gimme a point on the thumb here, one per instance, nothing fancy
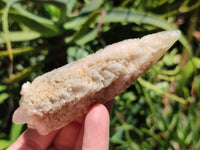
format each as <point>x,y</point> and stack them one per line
<point>96,129</point>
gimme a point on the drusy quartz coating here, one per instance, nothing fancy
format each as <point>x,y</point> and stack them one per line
<point>56,98</point>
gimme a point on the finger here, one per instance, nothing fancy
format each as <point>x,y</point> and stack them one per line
<point>68,135</point>
<point>96,129</point>
<point>79,140</point>
<point>32,140</point>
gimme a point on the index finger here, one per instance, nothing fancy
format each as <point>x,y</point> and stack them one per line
<point>67,136</point>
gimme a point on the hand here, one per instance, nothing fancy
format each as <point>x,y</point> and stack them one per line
<point>86,133</point>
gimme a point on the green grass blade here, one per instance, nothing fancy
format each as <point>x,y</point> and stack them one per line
<point>83,28</point>
<point>20,75</point>
<point>6,29</point>
<point>149,101</point>
<point>17,51</point>
<point>18,36</point>
<point>92,6</point>
<point>74,23</point>
<point>88,37</point>
<point>153,135</point>
<point>42,25</point>
<point>43,29</point>
<point>159,91</point>
<point>32,16</point>
<point>61,4</point>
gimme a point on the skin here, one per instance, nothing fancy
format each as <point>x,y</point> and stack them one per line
<point>86,133</point>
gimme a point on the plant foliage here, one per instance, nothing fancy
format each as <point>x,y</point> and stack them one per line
<point>161,110</point>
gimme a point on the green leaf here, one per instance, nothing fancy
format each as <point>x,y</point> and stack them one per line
<point>20,75</point>
<point>43,29</point>
<point>70,6</point>
<point>32,16</point>
<point>3,87</point>
<point>196,62</point>
<point>91,6</point>
<point>127,15</point>
<point>15,131</point>
<point>160,91</point>
<point>42,25</point>
<point>74,23</point>
<point>53,11</point>
<point>88,37</point>
<point>60,4</point>
<point>153,135</point>
<point>170,57</point>
<point>131,16</point>
<point>4,144</point>
<point>197,85</point>
<point>17,51</point>
<point>18,36</point>
<point>186,73</point>
<point>83,28</point>
<point>116,138</point>
<point>129,95</point>
<point>5,27</point>
<point>75,53</point>
<point>3,97</point>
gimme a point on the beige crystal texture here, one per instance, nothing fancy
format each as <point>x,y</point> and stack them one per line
<point>58,97</point>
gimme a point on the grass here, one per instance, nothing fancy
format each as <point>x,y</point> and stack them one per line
<point>158,111</point>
